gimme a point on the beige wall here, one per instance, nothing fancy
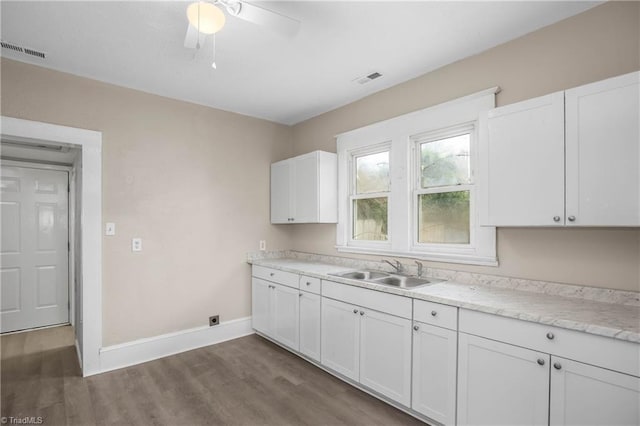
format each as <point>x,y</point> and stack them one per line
<point>191,181</point>
<point>600,43</point>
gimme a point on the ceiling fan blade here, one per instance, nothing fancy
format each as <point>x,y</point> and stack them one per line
<point>276,22</point>
<point>191,39</point>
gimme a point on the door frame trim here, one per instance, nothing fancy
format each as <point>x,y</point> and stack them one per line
<point>90,143</point>
<point>71,203</point>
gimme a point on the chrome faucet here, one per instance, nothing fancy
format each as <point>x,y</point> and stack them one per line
<point>420,268</point>
<point>398,266</point>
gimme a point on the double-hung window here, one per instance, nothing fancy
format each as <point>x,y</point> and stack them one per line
<point>407,187</point>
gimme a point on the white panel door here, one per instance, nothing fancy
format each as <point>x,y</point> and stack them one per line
<point>310,325</point>
<point>585,395</point>
<point>501,384</point>
<point>385,354</point>
<point>434,372</point>
<point>603,153</point>
<point>305,188</point>
<point>286,315</point>
<point>34,248</point>
<point>261,301</point>
<point>522,158</point>
<point>280,192</point>
<point>340,343</point>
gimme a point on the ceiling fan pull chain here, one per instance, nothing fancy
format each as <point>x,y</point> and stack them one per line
<point>213,65</point>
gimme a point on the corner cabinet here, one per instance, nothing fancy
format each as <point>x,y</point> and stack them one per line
<point>571,158</point>
<point>304,189</point>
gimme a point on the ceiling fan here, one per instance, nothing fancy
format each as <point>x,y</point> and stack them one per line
<point>206,17</point>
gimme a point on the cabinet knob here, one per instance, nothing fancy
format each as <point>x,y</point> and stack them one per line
<point>361,312</point>
<point>308,283</point>
<point>355,311</point>
<point>556,218</point>
<point>550,336</point>
<point>300,295</point>
<point>557,365</point>
<point>540,361</point>
<point>416,328</point>
<point>272,274</point>
<point>434,313</point>
<point>572,218</point>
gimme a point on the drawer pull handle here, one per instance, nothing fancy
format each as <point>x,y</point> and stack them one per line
<point>361,312</point>
<point>557,365</point>
<point>540,361</point>
<point>416,328</point>
<point>434,313</point>
<point>355,311</point>
<point>550,336</point>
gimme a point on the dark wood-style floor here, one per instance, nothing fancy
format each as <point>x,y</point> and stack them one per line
<point>247,381</point>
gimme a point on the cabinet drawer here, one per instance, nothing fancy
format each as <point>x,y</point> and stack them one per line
<point>310,284</point>
<point>274,275</point>
<point>617,355</point>
<point>435,314</point>
<point>384,302</point>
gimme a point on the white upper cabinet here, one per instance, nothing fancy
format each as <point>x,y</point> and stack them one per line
<point>570,158</point>
<point>603,155</point>
<point>304,189</point>
<point>523,155</point>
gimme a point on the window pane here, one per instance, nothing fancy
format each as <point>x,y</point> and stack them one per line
<point>370,219</point>
<point>372,173</point>
<point>445,162</point>
<point>444,218</point>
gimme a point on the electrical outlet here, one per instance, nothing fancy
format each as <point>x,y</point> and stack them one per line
<point>136,244</point>
<point>214,320</point>
<point>263,245</point>
<point>110,228</point>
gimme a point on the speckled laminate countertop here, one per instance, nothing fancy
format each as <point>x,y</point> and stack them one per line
<point>613,320</point>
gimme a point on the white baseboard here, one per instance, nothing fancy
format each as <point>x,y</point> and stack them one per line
<point>148,349</point>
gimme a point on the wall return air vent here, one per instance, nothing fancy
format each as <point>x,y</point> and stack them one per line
<point>367,78</point>
<point>23,50</point>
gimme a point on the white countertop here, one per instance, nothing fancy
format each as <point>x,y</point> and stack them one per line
<point>617,321</point>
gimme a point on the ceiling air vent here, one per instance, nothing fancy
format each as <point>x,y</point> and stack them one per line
<point>368,78</point>
<point>24,50</point>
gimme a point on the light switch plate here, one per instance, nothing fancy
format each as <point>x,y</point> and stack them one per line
<point>263,245</point>
<point>110,228</point>
<point>136,244</point>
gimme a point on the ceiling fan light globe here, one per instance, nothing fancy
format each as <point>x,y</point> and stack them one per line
<point>211,19</point>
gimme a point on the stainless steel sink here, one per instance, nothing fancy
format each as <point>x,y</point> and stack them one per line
<point>364,275</point>
<point>391,280</point>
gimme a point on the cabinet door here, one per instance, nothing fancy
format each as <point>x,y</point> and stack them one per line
<point>280,192</point>
<point>522,164</point>
<point>603,153</point>
<point>310,325</point>
<point>305,189</point>
<point>340,343</point>
<point>501,384</point>
<point>434,372</point>
<point>286,315</point>
<point>385,354</point>
<point>261,305</point>
<point>585,395</point>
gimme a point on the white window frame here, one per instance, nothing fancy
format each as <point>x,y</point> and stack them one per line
<point>353,154</point>
<point>402,135</point>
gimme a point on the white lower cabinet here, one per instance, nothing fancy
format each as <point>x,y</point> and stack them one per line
<point>434,372</point>
<point>582,394</point>
<point>341,338</point>
<point>501,384</point>
<point>276,311</point>
<point>367,346</point>
<point>310,325</point>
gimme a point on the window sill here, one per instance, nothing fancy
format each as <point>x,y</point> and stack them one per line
<point>466,259</point>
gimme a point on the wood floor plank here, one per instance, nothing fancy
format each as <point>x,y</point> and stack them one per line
<point>244,382</point>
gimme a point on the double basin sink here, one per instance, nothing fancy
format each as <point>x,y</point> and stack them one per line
<point>384,278</point>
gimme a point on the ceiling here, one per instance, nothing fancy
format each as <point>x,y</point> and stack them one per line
<point>139,44</point>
